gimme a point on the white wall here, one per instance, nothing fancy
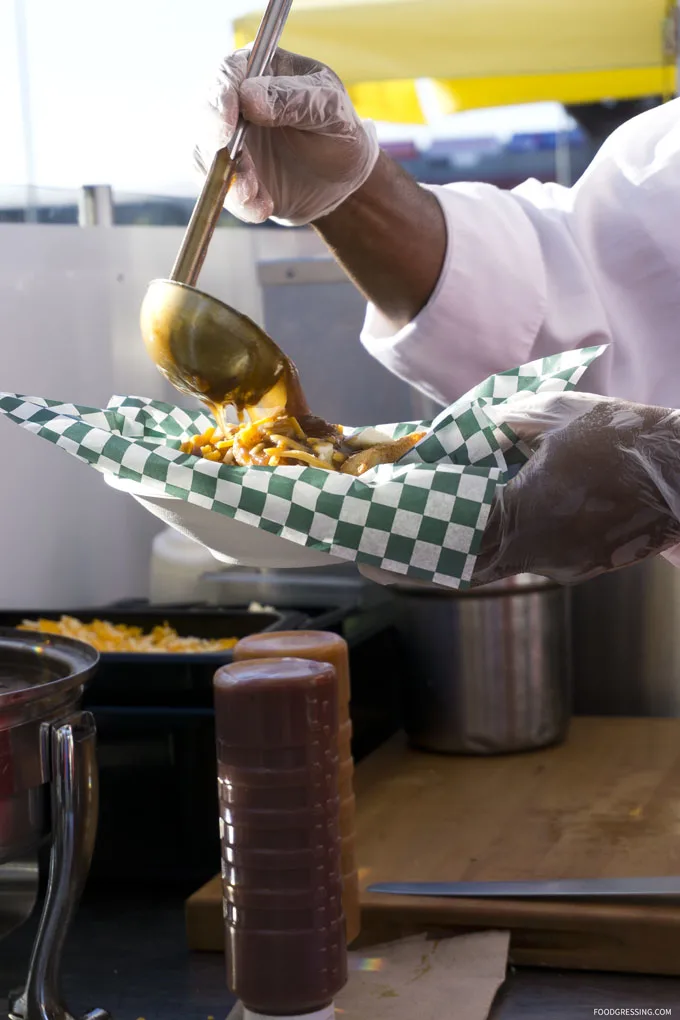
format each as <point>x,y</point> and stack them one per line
<point>69,307</point>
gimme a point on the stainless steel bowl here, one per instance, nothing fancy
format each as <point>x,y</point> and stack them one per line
<point>48,785</point>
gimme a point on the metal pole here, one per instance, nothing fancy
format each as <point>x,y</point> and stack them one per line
<point>21,30</point>
<point>563,169</point>
<point>95,208</point>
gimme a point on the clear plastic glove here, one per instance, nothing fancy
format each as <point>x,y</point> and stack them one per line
<point>600,491</point>
<point>306,149</point>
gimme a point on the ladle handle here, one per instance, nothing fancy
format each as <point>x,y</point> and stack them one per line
<point>208,208</point>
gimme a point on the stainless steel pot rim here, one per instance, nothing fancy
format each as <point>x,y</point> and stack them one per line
<point>75,659</point>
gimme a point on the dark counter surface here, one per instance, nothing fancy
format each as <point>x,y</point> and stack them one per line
<point>129,956</point>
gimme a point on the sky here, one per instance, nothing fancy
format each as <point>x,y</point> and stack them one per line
<point>113,93</point>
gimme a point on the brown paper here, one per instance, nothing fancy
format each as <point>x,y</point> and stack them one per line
<point>418,979</point>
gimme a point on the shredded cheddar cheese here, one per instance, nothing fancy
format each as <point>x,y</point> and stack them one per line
<point>118,637</point>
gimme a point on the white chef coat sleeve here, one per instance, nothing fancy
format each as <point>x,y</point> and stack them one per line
<point>489,303</point>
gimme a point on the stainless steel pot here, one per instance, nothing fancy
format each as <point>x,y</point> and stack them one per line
<point>489,670</point>
<point>48,788</point>
<point>626,641</point>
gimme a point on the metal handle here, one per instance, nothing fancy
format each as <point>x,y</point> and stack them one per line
<point>267,39</point>
<point>208,208</point>
<point>75,804</point>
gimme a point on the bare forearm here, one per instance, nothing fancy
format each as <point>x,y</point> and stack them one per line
<point>390,237</point>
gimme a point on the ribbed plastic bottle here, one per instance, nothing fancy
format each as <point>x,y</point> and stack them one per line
<point>276,724</point>
<point>323,646</point>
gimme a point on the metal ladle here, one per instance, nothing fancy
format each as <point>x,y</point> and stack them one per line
<point>202,346</point>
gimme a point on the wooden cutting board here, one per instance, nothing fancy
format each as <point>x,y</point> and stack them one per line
<point>606,804</point>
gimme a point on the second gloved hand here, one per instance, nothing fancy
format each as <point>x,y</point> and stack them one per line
<point>307,150</point>
<point>600,491</point>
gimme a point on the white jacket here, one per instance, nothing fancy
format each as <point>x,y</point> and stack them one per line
<point>543,269</point>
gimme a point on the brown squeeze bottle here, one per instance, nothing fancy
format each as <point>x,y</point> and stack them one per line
<point>323,646</point>
<point>276,725</point>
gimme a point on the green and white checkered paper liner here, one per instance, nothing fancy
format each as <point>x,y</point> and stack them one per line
<point>423,517</point>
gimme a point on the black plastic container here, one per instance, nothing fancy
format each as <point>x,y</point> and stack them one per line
<point>164,679</point>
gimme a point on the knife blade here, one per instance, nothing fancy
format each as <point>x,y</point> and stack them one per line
<point>589,888</point>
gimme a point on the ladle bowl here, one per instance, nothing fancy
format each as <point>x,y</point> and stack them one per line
<point>210,351</point>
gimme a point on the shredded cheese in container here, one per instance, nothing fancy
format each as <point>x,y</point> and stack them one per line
<point>119,637</point>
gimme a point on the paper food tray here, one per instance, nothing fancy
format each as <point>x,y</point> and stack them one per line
<point>422,518</point>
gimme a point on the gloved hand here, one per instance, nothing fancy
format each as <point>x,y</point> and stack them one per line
<point>600,491</point>
<point>306,149</point>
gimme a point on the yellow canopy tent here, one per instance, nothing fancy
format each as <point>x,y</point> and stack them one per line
<point>482,53</point>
